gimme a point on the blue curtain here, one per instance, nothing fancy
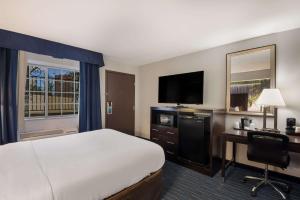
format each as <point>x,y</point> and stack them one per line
<point>12,40</point>
<point>90,106</point>
<point>8,93</point>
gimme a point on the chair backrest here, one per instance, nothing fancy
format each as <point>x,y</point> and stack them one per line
<point>268,148</point>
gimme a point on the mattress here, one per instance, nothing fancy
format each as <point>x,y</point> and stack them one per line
<point>87,166</point>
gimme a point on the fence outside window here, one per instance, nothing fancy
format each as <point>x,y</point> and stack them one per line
<point>51,91</point>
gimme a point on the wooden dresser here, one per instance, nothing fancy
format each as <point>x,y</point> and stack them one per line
<point>168,136</point>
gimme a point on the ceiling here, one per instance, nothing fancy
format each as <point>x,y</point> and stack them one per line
<point>138,32</point>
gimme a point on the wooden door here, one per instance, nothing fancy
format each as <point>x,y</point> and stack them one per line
<point>119,105</point>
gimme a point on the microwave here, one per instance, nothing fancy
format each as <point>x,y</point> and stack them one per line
<point>166,120</point>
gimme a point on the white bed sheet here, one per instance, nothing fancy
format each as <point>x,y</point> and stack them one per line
<point>87,166</point>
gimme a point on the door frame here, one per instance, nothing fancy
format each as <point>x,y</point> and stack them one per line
<point>105,96</point>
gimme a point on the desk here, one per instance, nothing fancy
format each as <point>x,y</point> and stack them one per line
<point>240,136</point>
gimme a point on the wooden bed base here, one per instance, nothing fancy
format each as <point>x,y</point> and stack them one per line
<point>147,189</point>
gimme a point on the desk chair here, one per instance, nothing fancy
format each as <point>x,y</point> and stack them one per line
<point>270,149</point>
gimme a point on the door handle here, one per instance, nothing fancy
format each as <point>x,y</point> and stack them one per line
<point>171,133</point>
<point>168,142</point>
<point>170,152</point>
<point>109,107</point>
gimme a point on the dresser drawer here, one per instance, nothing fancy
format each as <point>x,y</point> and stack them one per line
<point>156,138</point>
<point>156,133</point>
<point>170,145</point>
<point>171,132</point>
<point>171,137</point>
<point>158,128</point>
<point>171,155</point>
<point>167,137</point>
<point>155,129</point>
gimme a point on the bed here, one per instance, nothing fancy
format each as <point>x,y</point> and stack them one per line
<point>102,164</point>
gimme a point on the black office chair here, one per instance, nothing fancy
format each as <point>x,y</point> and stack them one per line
<point>270,149</point>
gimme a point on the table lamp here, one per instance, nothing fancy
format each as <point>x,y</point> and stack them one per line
<point>268,98</point>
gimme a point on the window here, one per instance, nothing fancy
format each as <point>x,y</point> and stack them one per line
<point>51,91</point>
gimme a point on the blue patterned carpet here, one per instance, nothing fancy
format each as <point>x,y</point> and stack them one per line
<point>185,184</point>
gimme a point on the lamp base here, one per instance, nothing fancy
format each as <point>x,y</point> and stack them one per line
<point>265,120</point>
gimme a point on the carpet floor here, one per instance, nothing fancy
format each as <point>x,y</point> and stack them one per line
<point>185,184</point>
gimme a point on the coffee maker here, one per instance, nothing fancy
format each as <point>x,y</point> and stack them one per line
<point>245,122</point>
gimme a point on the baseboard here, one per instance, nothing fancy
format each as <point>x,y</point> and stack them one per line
<point>272,173</point>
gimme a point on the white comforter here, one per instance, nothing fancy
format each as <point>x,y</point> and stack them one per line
<point>86,166</point>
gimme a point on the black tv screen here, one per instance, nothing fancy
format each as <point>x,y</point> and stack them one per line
<point>181,88</point>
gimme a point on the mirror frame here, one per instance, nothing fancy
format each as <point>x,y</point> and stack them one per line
<point>272,49</point>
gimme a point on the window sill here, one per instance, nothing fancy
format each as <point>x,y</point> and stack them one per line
<point>50,118</point>
<point>46,136</point>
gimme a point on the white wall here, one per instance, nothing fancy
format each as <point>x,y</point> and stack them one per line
<point>213,62</point>
<point>63,123</point>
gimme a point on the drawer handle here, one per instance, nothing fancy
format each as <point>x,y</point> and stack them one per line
<point>155,130</point>
<point>170,142</point>
<point>171,133</point>
<point>155,139</point>
<point>170,152</point>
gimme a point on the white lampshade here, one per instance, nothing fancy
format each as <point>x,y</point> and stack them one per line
<point>270,97</point>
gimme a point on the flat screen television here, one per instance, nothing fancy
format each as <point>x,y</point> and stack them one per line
<point>184,88</point>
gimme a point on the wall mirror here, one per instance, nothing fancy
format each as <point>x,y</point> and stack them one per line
<point>248,73</point>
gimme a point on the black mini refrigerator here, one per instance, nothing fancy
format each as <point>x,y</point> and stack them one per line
<point>194,136</point>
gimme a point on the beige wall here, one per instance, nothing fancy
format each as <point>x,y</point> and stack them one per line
<point>213,62</point>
